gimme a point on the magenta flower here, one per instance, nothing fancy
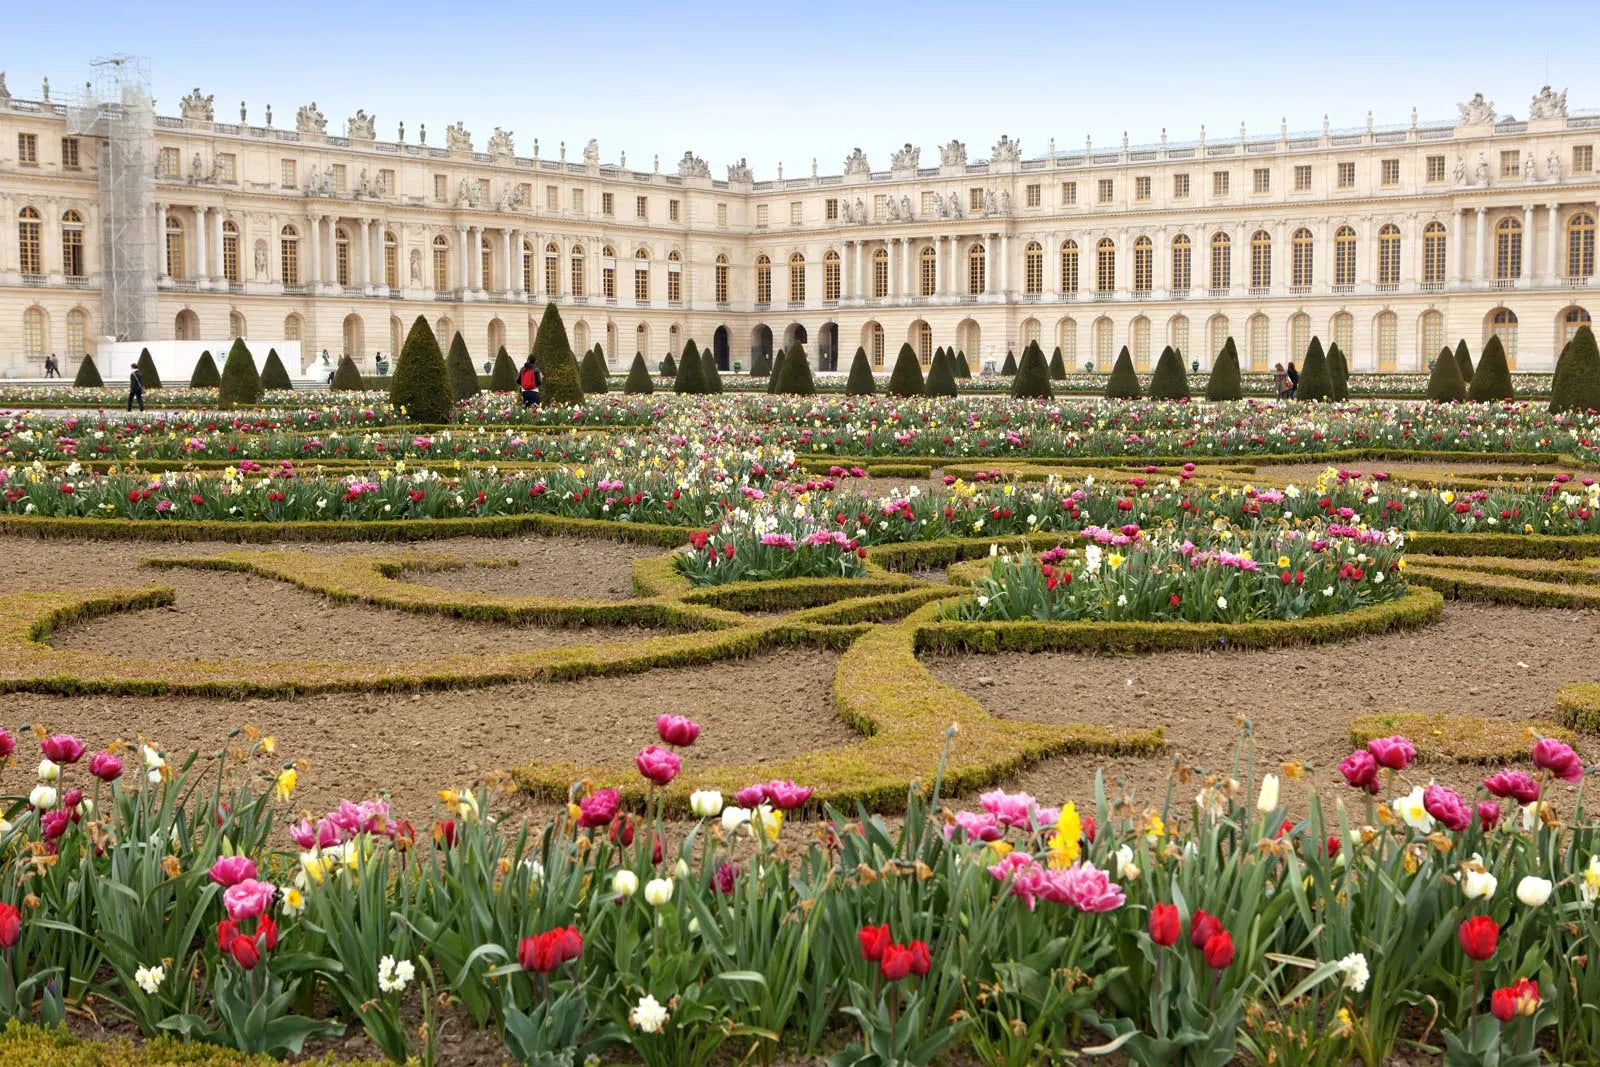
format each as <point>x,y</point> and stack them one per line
<point>105,766</point>
<point>8,744</point>
<point>785,795</point>
<point>1446,805</point>
<point>598,808</point>
<point>1085,887</point>
<point>1513,785</point>
<point>1558,758</point>
<point>229,871</point>
<point>677,730</point>
<point>249,899</point>
<point>1013,809</point>
<point>725,877</point>
<point>1360,770</point>
<point>657,764</point>
<point>63,748</point>
<point>751,796</point>
<point>1395,753</point>
<point>1028,880</point>
<point>975,825</point>
<point>1488,814</point>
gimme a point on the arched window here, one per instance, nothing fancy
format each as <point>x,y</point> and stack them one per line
<point>1181,260</point>
<point>1260,260</point>
<point>186,327</point>
<point>33,331</point>
<point>1433,254</point>
<point>674,344</point>
<point>1573,320</point>
<point>230,251</point>
<point>30,255</point>
<point>552,269</point>
<point>922,333</point>
<point>1105,265</point>
<point>797,278</point>
<point>289,255</point>
<point>580,337</point>
<point>1302,257</point>
<point>397,335</point>
<point>235,324</point>
<point>1143,265</point>
<point>641,339</point>
<point>441,265</point>
<point>341,256</point>
<point>1141,343</point>
<point>577,271</point>
<point>1030,331</point>
<point>674,277</point>
<point>1507,251</point>
<point>72,246</point>
<point>763,280</point>
<point>1344,335</point>
<point>1580,246</point>
<point>175,262</point>
<point>1431,333</point>
<point>830,276</point>
<point>1344,257</point>
<point>1503,323</point>
<point>1103,342</point>
<point>975,270</point>
<point>1033,269</point>
<point>875,344</point>
<point>77,328</point>
<point>1385,330</point>
<point>1178,334</point>
<point>722,278</point>
<point>1069,266</point>
<point>1299,335</point>
<point>1067,338</point>
<point>928,270</point>
<point>1389,255</point>
<point>391,260</point>
<point>1260,342</point>
<point>880,273</point>
<point>1217,334</point>
<point>641,275</point>
<point>608,272</point>
<point>291,328</point>
<point>1221,260</point>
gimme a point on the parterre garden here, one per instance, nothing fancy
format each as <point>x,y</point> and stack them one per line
<point>775,727</point>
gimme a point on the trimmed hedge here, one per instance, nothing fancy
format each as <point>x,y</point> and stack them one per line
<point>1511,545</point>
<point>592,372</point>
<point>1170,381</point>
<point>1032,379</point>
<point>794,378</point>
<point>669,367</point>
<point>1492,381</point>
<point>1225,382</point>
<point>861,381</point>
<point>205,374</point>
<point>1010,366</point>
<point>347,376</point>
<point>963,369</point>
<point>1464,359</point>
<point>273,374</point>
<point>421,386</point>
<point>148,375</point>
<point>1461,738</point>
<point>639,382</point>
<point>34,1046</point>
<point>906,378</point>
<point>88,376</point>
<point>463,376</point>
<point>1058,366</point>
<point>1462,582</point>
<point>776,369</point>
<point>710,377</point>
<point>1123,384</point>
<point>1444,382</point>
<point>503,378</point>
<point>240,384</point>
<point>1578,705</point>
<point>1316,378</point>
<point>941,381</point>
<point>553,352</point>
<point>1340,368</point>
<point>1576,386</point>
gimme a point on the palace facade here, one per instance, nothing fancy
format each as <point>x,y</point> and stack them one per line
<point>1392,241</point>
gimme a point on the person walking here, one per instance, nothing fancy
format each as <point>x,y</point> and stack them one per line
<point>1294,380</point>
<point>1280,381</point>
<point>529,381</point>
<point>135,387</point>
<point>52,369</point>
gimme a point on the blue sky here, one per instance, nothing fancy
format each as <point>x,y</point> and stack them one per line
<point>788,81</point>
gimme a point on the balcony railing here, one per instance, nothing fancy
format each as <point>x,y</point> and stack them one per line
<point>1342,290</point>
<point>1217,292</point>
<point>34,279</point>
<point>1576,282</point>
<point>1431,287</point>
<point>1387,287</point>
<point>1179,294</point>
<point>1299,290</point>
<point>1502,284</point>
<point>1260,290</point>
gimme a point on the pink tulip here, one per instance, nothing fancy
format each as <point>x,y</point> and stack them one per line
<point>1488,814</point>
<point>598,808</point>
<point>1395,753</point>
<point>1558,758</point>
<point>304,834</point>
<point>1446,805</point>
<point>229,871</point>
<point>8,744</point>
<point>785,795</point>
<point>976,826</point>
<point>63,748</point>
<point>1013,809</point>
<point>1513,785</point>
<point>677,730</point>
<point>105,766</point>
<point>751,796</point>
<point>1085,887</point>
<point>1360,770</point>
<point>249,899</point>
<point>657,764</point>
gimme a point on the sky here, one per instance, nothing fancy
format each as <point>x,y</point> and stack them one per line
<point>789,82</point>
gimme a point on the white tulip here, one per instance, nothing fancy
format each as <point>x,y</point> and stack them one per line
<point>625,883</point>
<point>658,891</point>
<point>706,803</point>
<point>49,771</point>
<point>733,818</point>
<point>1477,883</point>
<point>43,797</point>
<point>1534,891</point>
<point>648,1016</point>
<point>1268,798</point>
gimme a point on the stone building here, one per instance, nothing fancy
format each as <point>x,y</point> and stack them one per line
<point>1391,240</point>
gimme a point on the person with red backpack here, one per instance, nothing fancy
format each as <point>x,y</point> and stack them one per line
<point>530,380</point>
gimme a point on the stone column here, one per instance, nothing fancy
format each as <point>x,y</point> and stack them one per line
<point>1456,251</point>
<point>991,262</point>
<point>312,246</point>
<point>514,261</point>
<point>200,269</point>
<point>216,245</point>
<point>161,241</point>
<point>912,265</point>
<point>462,280</point>
<point>1527,243</point>
<point>1481,251</point>
<point>330,248</point>
<point>1554,239</point>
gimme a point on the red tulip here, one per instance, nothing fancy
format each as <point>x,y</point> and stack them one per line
<point>874,939</point>
<point>1219,950</point>
<point>1488,814</point>
<point>10,925</point>
<point>267,932</point>
<point>1479,936</point>
<point>245,953</point>
<point>1201,926</point>
<point>1166,926</point>
<point>896,962</point>
<point>621,832</point>
<point>1519,998</point>
<point>921,959</point>
<point>569,943</point>
<point>227,930</point>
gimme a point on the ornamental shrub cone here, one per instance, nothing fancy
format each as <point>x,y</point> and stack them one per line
<point>963,369</point>
<point>88,375</point>
<point>690,378</point>
<point>795,376</point>
<point>421,385</point>
<point>1576,386</point>
<point>553,351</point>
<point>1225,383</point>
<point>759,366</point>
<point>1033,374</point>
<point>1340,367</point>
<point>1444,384</point>
<point>639,382</point>
<point>669,367</point>
<point>503,378</point>
<point>592,372</point>
<point>906,378</point>
<point>1058,366</point>
<point>347,376</point>
<point>205,374</point>
<point>941,382</point>
<point>240,384</point>
<point>1491,382</point>
<point>709,375</point>
<point>147,370</point>
<point>860,382</point>
<point>1124,382</point>
<point>1316,378</point>
<point>777,368</point>
<point>1010,366</point>
<point>273,374</point>
<point>1170,381</point>
<point>463,377</point>
<point>1464,360</point>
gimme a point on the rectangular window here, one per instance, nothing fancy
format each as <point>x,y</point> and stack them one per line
<point>608,206</point>
<point>72,253</point>
<point>1302,178</point>
<point>1436,168</point>
<point>1141,188</point>
<point>641,281</point>
<point>1261,180</point>
<point>797,213</point>
<point>761,216</point>
<point>339,180</point>
<point>441,187</point>
<point>722,214</point>
<point>1347,175</point>
<point>1510,163</point>
<point>674,285</point>
<point>1069,194</point>
<point>722,280</point>
<point>1389,172</point>
<point>879,202</point>
<point>169,160</point>
<point>974,199</point>
<point>577,201</point>
<point>1031,192</point>
<point>1180,186</point>
<point>608,279</point>
<point>672,211</point>
<point>386,182</point>
<point>552,198</point>
<point>927,205</point>
<point>483,190</point>
<point>227,167</point>
<point>1219,183</point>
<point>641,207</point>
<point>69,153</point>
<point>287,174</point>
<point>1107,190</point>
<point>1583,159</point>
<point>524,191</point>
<point>28,149</point>
<point>830,208</point>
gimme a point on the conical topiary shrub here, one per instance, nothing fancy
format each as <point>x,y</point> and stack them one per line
<point>503,378</point>
<point>148,375</point>
<point>1124,381</point>
<point>240,383</point>
<point>1464,360</point>
<point>794,377</point>
<point>463,376</point>
<point>592,373</point>
<point>273,374</point>
<point>777,368</point>
<point>1576,386</point>
<point>861,381</point>
<point>1491,382</point>
<point>1032,379</point>
<point>690,379</point>
<point>1316,378</point>
<point>421,384</point>
<point>906,378</point>
<point>553,352</point>
<point>1058,366</point>
<point>1225,382</point>
<point>1339,367</point>
<point>1010,366</point>
<point>760,364</point>
<point>1444,383</point>
<point>1170,381</point>
<point>963,368</point>
<point>347,376</point>
<point>88,375</point>
<point>941,380</point>
<point>639,382</point>
<point>710,377</point>
<point>205,374</point>
<point>669,367</point>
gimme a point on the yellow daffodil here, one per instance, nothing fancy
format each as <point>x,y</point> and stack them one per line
<point>287,779</point>
<point>1066,842</point>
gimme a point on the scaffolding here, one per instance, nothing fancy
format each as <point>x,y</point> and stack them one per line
<point>117,110</point>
